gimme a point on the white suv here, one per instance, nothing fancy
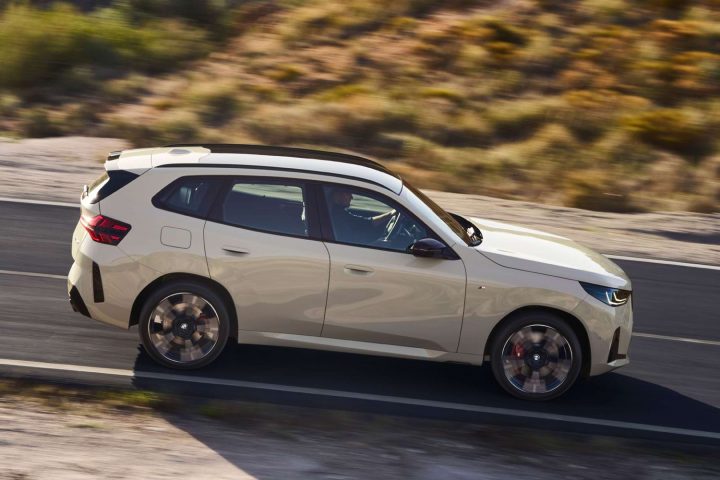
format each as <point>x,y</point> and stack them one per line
<point>199,244</point>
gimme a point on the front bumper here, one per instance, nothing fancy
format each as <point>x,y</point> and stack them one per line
<point>609,331</point>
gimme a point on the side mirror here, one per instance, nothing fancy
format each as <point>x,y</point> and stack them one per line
<point>431,248</point>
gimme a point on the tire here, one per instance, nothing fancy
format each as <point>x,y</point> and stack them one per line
<point>536,356</point>
<point>184,325</point>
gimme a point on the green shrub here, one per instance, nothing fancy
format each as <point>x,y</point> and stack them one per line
<point>9,105</point>
<point>520,118</point>
<point>419,152</point>
<point>137,133</point>
<point>597,189</point>
<point>215,102</point>
<point>608,9</point>
<point>458,129</point>
<point>677,130</point>
<point>492,29</point>
<point>300,123</point>
<point>213,13</point>
<point>446,93</point>
<point>35,123</point>
<point>38,45</point>
<point>286,72</point>
<point>78,80</point>
<point>81,119</point>
<point>125,89</point>
<point>178,127</point>
<point>341,92</point>
<point>619,148</point>
<point>320,20</point>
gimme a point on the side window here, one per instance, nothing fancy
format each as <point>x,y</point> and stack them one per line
<point>266,206</point>
<point>187,195</point>
<point>360,217</point>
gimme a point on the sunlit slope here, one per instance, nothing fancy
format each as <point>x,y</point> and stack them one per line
<point>601,104</point>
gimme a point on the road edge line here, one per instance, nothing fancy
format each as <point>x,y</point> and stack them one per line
<point>39,202</point>
<point>366,397</point>
<point>676,339</point>
<point>663,262</point>
<point>33,274</point>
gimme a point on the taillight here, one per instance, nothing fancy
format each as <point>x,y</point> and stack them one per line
<point>105,229</point>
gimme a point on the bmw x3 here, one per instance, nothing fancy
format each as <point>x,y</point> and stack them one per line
<point>201,245</point>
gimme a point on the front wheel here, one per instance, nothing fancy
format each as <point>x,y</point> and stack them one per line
<point>184,325</point>
<point>536,356</point>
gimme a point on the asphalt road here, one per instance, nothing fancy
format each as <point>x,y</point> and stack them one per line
<point>669,383</point>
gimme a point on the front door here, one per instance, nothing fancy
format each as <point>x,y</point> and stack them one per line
<point>378,291</point>
<point>259,245</point>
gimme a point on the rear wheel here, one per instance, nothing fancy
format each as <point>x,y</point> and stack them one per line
<point>536,356</point>
<point>184,325</point>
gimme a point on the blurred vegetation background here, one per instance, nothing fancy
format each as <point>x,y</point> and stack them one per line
<point>599,104</point>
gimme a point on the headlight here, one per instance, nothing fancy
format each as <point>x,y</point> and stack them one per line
<point>609,296</point>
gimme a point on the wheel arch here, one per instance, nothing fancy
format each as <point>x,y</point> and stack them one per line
<point>189,277</point>
<point>574,323</point>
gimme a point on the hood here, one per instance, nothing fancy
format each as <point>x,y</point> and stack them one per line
<point>540,252</point>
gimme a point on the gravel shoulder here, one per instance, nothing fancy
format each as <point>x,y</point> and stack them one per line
<point>56,168</point>
<point>77,434</point>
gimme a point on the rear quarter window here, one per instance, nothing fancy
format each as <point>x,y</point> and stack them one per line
<point>190,196</point>
<point>109,183</point>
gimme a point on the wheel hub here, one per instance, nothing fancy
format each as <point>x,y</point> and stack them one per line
<point>184,326</point>
<point>536,359</point>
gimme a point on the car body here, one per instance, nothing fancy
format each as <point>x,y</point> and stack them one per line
<point>198,244</point>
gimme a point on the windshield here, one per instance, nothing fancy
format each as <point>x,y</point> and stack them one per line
<point>470,239</point>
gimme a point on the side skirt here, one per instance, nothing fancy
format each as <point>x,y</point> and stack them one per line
<point>351,346</point>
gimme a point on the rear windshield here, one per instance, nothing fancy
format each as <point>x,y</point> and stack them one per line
<point>109,183</point>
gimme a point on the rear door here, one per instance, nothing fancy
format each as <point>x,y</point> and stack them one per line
<point>263,244</point>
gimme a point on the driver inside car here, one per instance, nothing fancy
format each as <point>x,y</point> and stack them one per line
<point>348,224</point>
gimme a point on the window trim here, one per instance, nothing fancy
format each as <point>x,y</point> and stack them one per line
<point>329,237</point>
<point>206,204</point>
<point>311,213</point>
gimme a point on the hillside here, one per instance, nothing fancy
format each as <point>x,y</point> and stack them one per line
<point>599,104</point>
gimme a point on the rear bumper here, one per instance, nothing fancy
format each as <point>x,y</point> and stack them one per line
<point>76,302</point>
<point>104,282</point>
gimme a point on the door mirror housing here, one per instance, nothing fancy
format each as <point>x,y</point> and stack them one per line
<point>432,248</point>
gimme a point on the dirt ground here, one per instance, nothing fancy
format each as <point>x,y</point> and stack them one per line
<point>56,169</point>
<point>52,432</point>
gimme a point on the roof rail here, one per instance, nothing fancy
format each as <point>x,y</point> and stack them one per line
<point>289,152</point>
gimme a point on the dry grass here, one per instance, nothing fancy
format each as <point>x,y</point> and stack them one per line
<point>580,104</point>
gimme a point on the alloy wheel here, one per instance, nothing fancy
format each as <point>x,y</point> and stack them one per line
<point>537,359</point>
<point>184,327</point>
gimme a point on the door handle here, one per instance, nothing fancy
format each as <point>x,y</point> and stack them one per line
<point>235,250</point>
<point>358,270</point>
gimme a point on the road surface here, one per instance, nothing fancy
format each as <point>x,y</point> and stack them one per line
<point>673,381</point>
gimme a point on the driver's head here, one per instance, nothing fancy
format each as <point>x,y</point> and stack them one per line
<point>341,197</point>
